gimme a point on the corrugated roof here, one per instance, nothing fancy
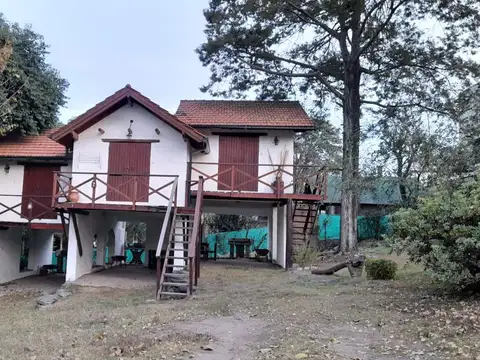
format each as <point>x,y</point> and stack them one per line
<point>32,146</point>
<point>239,113</point>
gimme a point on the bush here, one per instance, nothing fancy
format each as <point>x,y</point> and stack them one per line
<point>443,234</point>
<point>305,256</point>
<point>380,269</point>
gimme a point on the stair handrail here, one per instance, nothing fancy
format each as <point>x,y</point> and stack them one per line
<point>196,219</point>
<point>173,196</point>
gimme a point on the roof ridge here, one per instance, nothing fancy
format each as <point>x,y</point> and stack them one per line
<point>242,100</point>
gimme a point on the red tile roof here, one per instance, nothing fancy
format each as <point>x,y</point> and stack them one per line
<point>32,146</point>
<point>233,113</point>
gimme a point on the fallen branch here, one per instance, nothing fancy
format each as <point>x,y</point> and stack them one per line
<point>355,263</point>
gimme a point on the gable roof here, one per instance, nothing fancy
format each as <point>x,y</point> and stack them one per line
<point>244,113</point>
<point>113,103</point>
<point>35,146</point>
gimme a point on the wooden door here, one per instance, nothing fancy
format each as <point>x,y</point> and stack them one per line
<point>38,190</point>
<point>242,152</point>
<point>129,170</point>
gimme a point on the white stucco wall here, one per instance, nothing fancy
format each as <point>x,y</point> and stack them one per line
<point>168,157</point>
<point>274,233</point>
<point>266,146</point>
<point>10,249</point>
<point>40,249</point>
<point>12,184</point>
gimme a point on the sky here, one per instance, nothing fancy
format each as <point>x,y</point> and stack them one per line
<point>100,46</point>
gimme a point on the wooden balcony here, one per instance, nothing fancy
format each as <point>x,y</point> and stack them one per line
<point>22,209</point>
<point>110,191</point>
<point>260,181</point>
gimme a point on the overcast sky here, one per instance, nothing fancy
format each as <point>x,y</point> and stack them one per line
<point>100,46</point>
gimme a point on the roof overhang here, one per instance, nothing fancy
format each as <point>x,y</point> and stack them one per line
<point>263,128</point>
<point>69,133</point>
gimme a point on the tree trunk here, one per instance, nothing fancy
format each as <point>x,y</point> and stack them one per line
<point>351,151</point>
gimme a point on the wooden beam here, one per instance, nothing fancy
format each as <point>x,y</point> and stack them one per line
<point>74,135</point>
<point>131,141</point>
<point>80,212</point>
<point>73,217</point>
<point>64,225</point>
<point>43,226</point>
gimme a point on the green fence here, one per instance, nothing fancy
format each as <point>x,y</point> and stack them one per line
<point>368,227</point>
<point>128,254</point>
<point>258,235</point>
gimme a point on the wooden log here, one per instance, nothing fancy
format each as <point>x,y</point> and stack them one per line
<point>346,264</point>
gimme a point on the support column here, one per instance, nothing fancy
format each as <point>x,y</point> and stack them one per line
<point>87,227</point>
<point>282,236</point>
<point>274,235</point>
<point>102,238</point>
<point>179,250</point>
<point>120,238</point>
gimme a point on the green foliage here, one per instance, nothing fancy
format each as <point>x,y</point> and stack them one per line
<point>380,269</point>
<point>225,223</point>
<point>31,90</point>
<point>443,234</point>
<point>305,256</point>
<point>136,233</point>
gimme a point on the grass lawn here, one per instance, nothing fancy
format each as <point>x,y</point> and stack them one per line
<point>240,313</point>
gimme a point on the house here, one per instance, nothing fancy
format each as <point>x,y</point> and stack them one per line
<point>127,159</point>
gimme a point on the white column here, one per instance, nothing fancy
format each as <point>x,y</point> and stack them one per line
<point>102,238</point>
<point>80,265</point>
<point>120,238</point>
<point>179,250</point>
<point>274,235</point>
<point>282,236</point>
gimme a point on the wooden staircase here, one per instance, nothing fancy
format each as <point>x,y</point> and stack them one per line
<point>174,279</point>
<point>305,216</point>
<point>181,268</point>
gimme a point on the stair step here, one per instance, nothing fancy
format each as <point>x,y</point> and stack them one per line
<point>176,275</point>
<point>174,284</point>
<point>175,266</point>
<point>179,242</point>
<point>172,293</point>
<point>177,257</point>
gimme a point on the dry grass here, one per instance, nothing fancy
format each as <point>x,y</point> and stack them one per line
<point>324,317</point>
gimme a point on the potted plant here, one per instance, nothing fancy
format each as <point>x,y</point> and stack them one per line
<point>73,196</point>
<point>278,184</point>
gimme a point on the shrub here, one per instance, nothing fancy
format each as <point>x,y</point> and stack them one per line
<point>305,256</point>
<point>380,269</point>
<point>443,234</point>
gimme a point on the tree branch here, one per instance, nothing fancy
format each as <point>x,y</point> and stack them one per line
<point>395,106</point>
<point>376,34</point>
<point>324,26</point>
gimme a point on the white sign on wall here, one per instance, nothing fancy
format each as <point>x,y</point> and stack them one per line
<point>89,161</point>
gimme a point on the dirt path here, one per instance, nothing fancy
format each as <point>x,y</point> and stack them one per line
<point>233,336</point>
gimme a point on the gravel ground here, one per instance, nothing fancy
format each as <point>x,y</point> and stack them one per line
<point>240,313</point>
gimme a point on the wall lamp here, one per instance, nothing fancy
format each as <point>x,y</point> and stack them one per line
<point>129,130</point>
<point>101,131</point>
<point>157,131</point>
<point>6,169</point>
<point>276,140</point>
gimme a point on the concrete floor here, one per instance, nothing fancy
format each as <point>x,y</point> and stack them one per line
<point>35,283</point>
<point>120,277</point>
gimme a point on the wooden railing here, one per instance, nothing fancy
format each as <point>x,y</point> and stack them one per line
<point>194,241</point>
<point>168,217</point>
<point>29,207</point>
<point>276,179</point>
<point>94,188</point>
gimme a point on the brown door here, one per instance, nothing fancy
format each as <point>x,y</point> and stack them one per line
<point>128,162</point>
<point>242,152</point>
<point>38,191</point>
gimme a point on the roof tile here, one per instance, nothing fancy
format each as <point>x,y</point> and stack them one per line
<point>32,146</point>
<point>260,114</point>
